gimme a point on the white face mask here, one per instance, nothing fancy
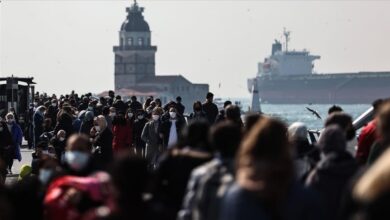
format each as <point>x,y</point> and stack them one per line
<point>140,117</point>
<point>130,115</point>
<point>10,121</point>
<point>97,128</point>
<point>44,175</point>
<point>172,114</point>
<point>61,139</point>
<point>76,160</point>
<point>112,114</point>
<point>155,117</point>
<point>53,104</point>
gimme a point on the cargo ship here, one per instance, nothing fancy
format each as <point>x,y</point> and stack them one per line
<point>287,77</point>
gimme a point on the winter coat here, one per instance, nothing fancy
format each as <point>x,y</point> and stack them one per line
<point>103,148</point>
<point>299,204</point>
<point>366,139</point>
<point>86,127</point>
<point>17,138</point>
<point>38,126</point>
<point>330,178</point>
<point>166,129</point>
<point>135,106</point>
<point>65,122</point>
<point>123,137</point>
<point>138,127</point>
<point>211,111</point>
<point>150,135</point>
<point>180,108</point>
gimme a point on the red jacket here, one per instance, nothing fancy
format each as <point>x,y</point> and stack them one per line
<point>366,139</point>
<point>123,137</point>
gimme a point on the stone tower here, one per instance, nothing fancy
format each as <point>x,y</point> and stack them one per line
<point>135,56</point>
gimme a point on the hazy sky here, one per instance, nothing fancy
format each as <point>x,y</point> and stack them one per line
<point>67,45</point>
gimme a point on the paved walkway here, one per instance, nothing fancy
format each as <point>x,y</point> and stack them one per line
<point>26,159</point>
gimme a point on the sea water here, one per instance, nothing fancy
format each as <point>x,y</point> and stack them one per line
<point>297,112</point>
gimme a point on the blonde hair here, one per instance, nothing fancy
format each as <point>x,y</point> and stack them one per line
<point>375,181</point>
<point>101,121</point>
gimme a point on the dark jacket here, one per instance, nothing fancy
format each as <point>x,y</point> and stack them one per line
<point>86,127</point>
<point>180,108</point>
<point>134,106</point>
<point>211,111</point>
<point>300,204</point>
<point>330,178</point>
<point>65,122</point>
<point>52,114</point>
<point>220,116</point>
<point>138,127</point>
<point>198,116</point>
<point>120,106</point>
<point>38,126</point>
<point>165,129</point>
<point>103,146</point>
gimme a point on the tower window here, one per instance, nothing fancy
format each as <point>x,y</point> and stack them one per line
<point>130,41</point>
<point>140,41</point>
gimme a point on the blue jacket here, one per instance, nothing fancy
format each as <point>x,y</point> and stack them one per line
<point>17,138</point>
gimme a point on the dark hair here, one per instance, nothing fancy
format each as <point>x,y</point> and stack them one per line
<point>226,103</point>
<point>233,113</point>
<point>225,138</point>
<point>209,95</point>
<point>119,120</point>
<point>196,135</point>
<point>178,99</point>
<point>250,120</point>
<point>377,104</point>
<point>197,103</point>
<point>344,121</point>
<point>106,110</point>
<point>334,108</point>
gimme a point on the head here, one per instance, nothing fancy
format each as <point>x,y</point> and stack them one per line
<point>210,97</point>
<point>10,118</point>
<point>129,114</point>
<point>156,113</point>
<point>344,121</point>
<point>61,135</point>
<point>297,131</point>
<point>133,98</point>
<point>178,99</point>
<point>195,135</point>
<point>118,97</point>
<point>112,111</point>
<point>332,139</point>
<point>100,123</point>
<point>54,102</point>
<point>106,110</point>
<point>377,104</point>
<point>119,119</point>
<point>172,113</point>
<point>264,162</point>
<point>334,108</point>
<point>158,102</point>
<point>89,115</point>
<point>197,106</point>
<point>225,138</point>
<point>233,113</point>
<point>78,152</point>
<point>226,104</point>
<point>140,114</point>
<point>250,120</point>
<point>111,94</point>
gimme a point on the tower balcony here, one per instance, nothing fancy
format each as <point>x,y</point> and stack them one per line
<point>128,47</point>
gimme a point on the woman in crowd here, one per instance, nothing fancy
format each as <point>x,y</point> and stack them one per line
<point>198,113</point>
<point>5,147</point>
<point>122,132</point>
<point>265,186</point>
<point>138,127</point>
<point>151,136</point>
<point>38,123</point>
<point>102,142</point>
<point>87,123</point>
<point>17,138</point>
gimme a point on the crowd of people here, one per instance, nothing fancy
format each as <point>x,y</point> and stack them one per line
<point>106,158</point>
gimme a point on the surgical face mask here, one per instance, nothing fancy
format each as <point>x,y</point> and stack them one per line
<point>44,175</point>
<point>130,115</point>
<point>10,121</point>
<point>76,160</point>
<point>97,128</point>
<point>155,117</point>
<point>90,108</point>
<point>112,114</point>
<point>54,104</point>
<point>140,117</point>
<point>61,139</point>
<point>172,114</point>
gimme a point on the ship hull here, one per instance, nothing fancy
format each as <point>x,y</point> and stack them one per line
<point>355,88</point>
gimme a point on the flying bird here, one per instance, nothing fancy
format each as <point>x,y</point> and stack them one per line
<point>314,112</point>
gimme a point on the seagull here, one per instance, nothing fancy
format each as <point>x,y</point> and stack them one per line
<point>314,112</point>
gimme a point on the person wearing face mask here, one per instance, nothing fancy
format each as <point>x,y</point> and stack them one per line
<point>119,104</point>
<point>102,142</point>
<point>84,104</point>
<point>198,113</point>
<point>17,137</point>
<point>65,121</point>
<point>122,132</point>
<point>13,111</point>
<point>58,142</point>
<point>138,127</point>
<point>150,135</point>
<point>38,123</point>
<point>87,123</point>
<point>171,128</point>
<point>49,170</point>
<point>112,113</point>
<point>78,159</point>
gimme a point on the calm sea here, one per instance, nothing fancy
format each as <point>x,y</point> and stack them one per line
<point>298,112</point>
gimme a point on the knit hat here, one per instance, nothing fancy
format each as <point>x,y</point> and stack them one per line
<point>25,170</point>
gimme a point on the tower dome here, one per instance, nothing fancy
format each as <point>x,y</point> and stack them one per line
<point>135,21</point>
